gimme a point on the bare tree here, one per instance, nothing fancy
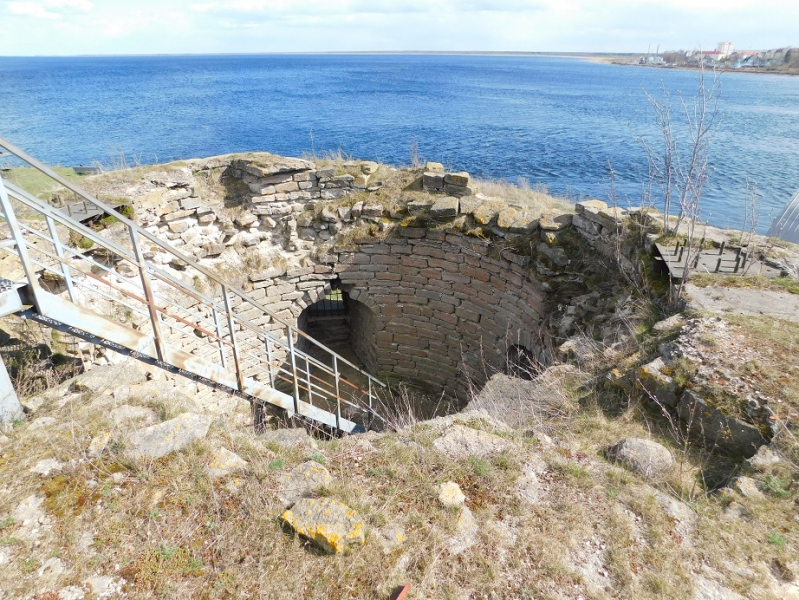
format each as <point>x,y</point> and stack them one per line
<point>680,166</point>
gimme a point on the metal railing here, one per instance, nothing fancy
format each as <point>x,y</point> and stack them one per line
<point>186,317</point>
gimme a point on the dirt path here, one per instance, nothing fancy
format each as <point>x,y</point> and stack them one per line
<point>744,301</point>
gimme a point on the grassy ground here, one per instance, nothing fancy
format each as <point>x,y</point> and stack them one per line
<point>167,529</point>
<point>39,184</point>
<point>782,284</point>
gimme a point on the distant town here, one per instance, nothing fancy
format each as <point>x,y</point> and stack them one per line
<point>726,56</point>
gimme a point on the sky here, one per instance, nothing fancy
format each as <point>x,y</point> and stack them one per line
<point>69,27</point>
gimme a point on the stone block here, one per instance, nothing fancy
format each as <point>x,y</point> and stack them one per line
<point>457,190</point>
<point>267,274</point>
<point>584,225</point>
<point>661,387</point>
<point>181,226</point>
<point>190,203</point>
<point>333,194</point>
<point>716,428</point>
<point>460,179</point>
<point>433,181</point>
<point>178,214</point>
<point>372,210</point>
<point>434,167</point>
<point>553,222</point>
<point>419,207</point>
<point>487,211</point>
<point>445,208</point>
<point>593,205</point>
<point>470,203</point>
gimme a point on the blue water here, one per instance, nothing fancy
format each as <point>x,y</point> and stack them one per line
<point>555,121</point>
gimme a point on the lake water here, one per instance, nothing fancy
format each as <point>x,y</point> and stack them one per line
<point>555,121</point>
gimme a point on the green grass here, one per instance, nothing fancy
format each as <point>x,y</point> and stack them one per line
<point>37,183</point>
<point>780,284</point>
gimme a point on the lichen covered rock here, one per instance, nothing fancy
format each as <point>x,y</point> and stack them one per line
<point>645,457</point>
<point>302,481</point>
<point>331,525</point>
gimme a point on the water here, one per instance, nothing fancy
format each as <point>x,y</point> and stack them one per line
<point>555,121</point>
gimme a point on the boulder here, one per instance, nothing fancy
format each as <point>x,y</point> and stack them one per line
<point>747,487</point>
<point>224,462</point>
<point>763,459</point>
<point>331,525</point>
<point>460,441</point>
<point>391,537</point>
<point>289,438</point>
<point>46,466</point>
<point>104,377</point>
<point>302,481</point>
<point>645,457</point>
<point>167,437</point>
<point>716,428</point>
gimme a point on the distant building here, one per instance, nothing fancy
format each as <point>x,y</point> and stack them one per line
<point>724,49</point>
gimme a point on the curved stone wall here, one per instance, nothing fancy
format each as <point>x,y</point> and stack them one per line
<point>444,312</point>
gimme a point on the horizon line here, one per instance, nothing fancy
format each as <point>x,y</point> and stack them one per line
<point>575,54</point>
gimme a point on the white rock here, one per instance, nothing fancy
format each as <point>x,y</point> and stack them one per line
<point>460,441</point>
<point>47,466</point>
<point>28,512</point>
<point>467,533</point>
<point>104,586</point>
<point>98,444</point>
<point>72,592</point>
<point>224,462</point>
<point>41,423</point>
<point>450,495</point>
<point>51,567</point>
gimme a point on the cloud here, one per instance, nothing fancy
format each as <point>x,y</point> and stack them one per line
<point>276,8</point>
<point>49,9</point>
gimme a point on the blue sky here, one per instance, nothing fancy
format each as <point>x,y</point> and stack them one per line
<point>65,27</point>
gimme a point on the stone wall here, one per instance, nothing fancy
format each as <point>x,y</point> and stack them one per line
<point>445,312</point>
<point>363,334</point>
<point>443,287</point>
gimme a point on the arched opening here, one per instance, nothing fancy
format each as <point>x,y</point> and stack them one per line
<point>344,325</point>
<point>522,363</point>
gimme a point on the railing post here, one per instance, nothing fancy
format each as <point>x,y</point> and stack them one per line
<point>308,379</point>
<point>155,320</point>
<point>270,367</point>
<point>219,336</point>
<point>22,248</point>
<point>236,357</point>
<point>59,250</point>
<point>338,392</point>
<point>293,356</point>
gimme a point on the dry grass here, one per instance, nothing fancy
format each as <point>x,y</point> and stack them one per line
<point>169,530</point>
<point>520,194</point>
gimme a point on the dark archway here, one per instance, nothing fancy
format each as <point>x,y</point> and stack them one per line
<point>344,325</point>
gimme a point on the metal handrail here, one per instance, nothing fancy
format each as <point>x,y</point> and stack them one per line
<point>41,167</point>
<point>212,318</point>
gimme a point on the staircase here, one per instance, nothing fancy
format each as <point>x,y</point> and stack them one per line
<point>101,287</point>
